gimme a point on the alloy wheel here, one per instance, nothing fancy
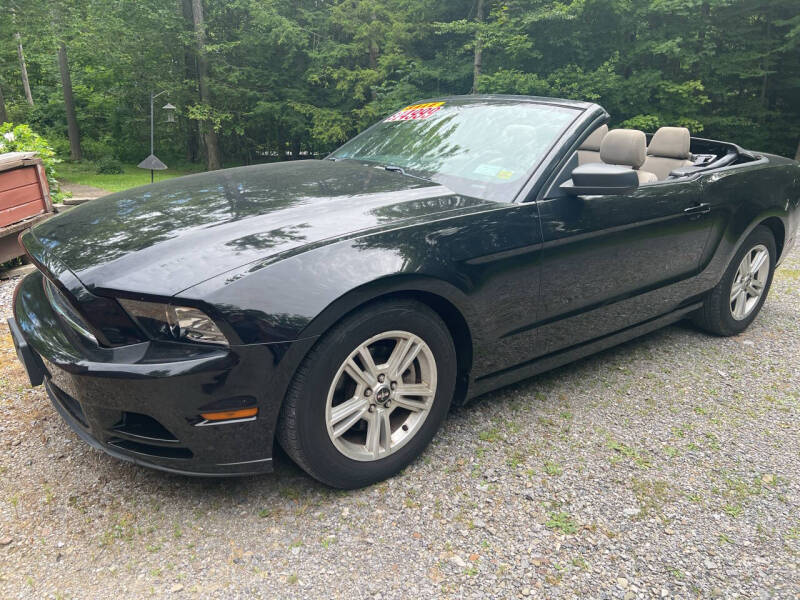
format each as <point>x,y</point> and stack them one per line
<point>381,395</point>
<point>750,281</point>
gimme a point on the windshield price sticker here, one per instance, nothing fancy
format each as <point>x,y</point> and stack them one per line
<point>415,112</point>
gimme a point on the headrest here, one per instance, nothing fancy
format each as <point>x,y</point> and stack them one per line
<point>624,147</point>
<point>670,142</point>
<point>593,141</point>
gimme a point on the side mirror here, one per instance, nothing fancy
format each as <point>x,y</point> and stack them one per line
<point>599,179</point>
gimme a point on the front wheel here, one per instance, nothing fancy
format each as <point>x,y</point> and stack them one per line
<point>737,299</point>
<point>371,394</point>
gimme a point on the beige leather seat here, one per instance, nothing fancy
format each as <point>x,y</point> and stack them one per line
<point>668,150</point>
<point>627,147</point>
<point>589,150</point>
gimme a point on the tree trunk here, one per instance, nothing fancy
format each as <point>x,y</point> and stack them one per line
<point>3,114</point>
<point>190,70</point>
<point>797,154</point>
<point>23,69</point>
<point>477,62</point>
<point>209,135</point>
<point>69,105</point>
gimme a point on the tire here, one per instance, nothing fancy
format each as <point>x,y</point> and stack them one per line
<point>717,315</point>
<point>336,371</point>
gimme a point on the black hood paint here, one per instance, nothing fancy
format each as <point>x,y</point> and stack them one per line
<point>164,238</point>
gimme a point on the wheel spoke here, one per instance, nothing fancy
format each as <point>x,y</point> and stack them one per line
<point>347,414</point>
<point>362,378</point>
<point>411,404</point>
<point>758,262</point>
<point>379,433</point>
<point>403,355</point>
<point>740,304</point>
<point>368,362</point>
<point>746,261</point>
<point>736,290</point>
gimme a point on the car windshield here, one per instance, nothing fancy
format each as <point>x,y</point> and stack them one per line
<point>480,149</point>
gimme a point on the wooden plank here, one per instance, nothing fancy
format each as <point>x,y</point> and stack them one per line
<point>17,213</point>
<point>45,187</point>
<point>17,178</point>
<point>24,224</point>
<point>21,195</point>
<point>12,160</point>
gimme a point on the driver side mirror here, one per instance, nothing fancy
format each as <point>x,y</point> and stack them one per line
<point>600,179</point>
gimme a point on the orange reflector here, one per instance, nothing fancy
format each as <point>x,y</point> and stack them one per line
<point>225,415</point>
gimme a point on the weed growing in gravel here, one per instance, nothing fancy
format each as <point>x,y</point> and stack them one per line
<point>640,459</point>
<point>651,495</point>
<point>733,510</point>
<point>677,573</point>
<point>579,562</point>
<point>490,435</point>
<point>516,458</point>
<point>552,468</point>
<point>561,522</point>
<point>289,493</point>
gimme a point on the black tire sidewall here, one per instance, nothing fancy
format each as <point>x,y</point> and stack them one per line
<point>323,459</point>
<point>760,236</point>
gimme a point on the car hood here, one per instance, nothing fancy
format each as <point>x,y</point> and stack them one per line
<point>164,238</point>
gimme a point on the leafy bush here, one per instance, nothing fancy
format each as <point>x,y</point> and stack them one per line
<point>96,150</point>
<point>109,166</point>
<point>21,138</point>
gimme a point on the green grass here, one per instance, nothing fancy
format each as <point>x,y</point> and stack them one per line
<point>85,173</point>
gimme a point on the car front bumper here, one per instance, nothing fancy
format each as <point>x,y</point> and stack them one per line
<point>142,402</point>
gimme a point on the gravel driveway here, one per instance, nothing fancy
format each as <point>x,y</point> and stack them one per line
<point>667,467</point>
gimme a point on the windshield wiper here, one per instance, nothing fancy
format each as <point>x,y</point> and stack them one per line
<point>402,171</point>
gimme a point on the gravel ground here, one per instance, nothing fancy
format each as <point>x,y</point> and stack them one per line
<point>667,467</point>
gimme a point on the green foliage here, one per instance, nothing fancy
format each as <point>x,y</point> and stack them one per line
<point>21,138</point>
<point>300,76</point>
<point>109,166</point>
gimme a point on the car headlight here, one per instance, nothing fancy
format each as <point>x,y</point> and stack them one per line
<point>174,323</point>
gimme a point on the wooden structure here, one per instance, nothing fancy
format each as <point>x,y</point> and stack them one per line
<point>24,199</point>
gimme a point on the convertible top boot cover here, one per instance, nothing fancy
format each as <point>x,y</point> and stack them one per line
<point>627,147</point>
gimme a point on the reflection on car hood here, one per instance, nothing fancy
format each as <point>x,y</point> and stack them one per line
<point>163,238</point>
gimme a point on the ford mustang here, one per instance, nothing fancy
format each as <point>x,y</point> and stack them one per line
<point>340,306</point>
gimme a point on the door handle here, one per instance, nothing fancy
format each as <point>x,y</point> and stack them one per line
<point>698,209</point>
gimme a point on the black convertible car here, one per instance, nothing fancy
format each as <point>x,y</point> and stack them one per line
<point>341,305</point>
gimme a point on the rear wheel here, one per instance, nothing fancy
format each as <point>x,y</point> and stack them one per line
<point>371,394</point>
<point>737,299</point>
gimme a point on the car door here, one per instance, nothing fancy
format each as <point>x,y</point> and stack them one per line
<point>612,261</point>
